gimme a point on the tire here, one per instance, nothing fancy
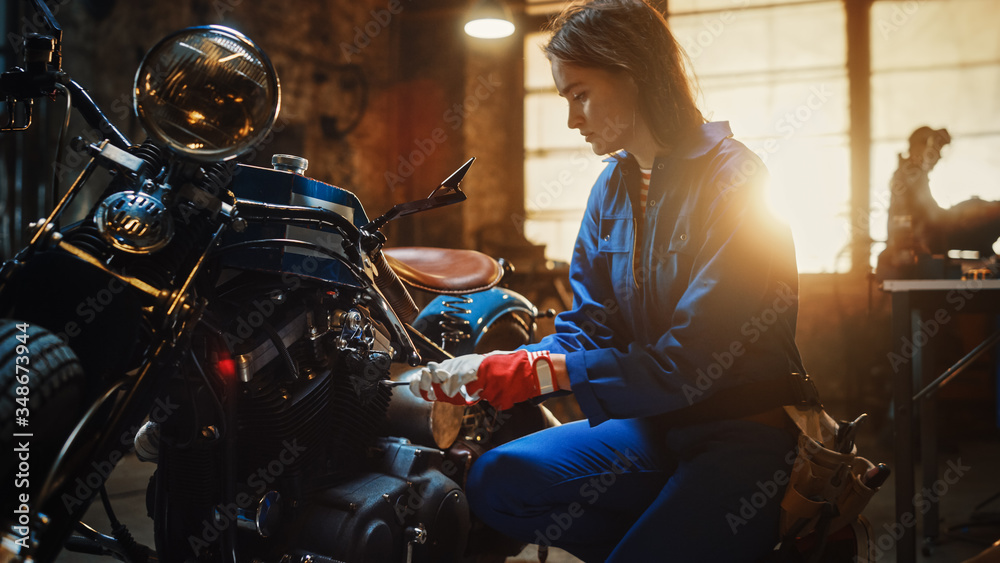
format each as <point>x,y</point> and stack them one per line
<point>51,401</point>
<point>505,333</point>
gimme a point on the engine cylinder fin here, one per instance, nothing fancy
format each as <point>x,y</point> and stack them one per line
<point>281,413</point>
<point>358,420</point>
<point>192,476</point>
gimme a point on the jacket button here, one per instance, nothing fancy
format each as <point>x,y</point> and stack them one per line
<point>651,202</point>
<point>684,237</point>
<point>607,237</point>
<point>659,167</point>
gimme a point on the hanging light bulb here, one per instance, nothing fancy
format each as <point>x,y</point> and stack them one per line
<point>489,19</point>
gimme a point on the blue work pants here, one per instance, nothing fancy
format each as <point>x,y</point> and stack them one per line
<point>629,491</point>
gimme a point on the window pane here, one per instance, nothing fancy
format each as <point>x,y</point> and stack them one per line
<point>773,40</point>
<point>560,181</point>
<point>936,63</point>
<point>559,167</point>
<point>545,116</point>
<point>809,179</point>
<point>778,75</point>
<point>558,235</point>
<point>537,71</point>
<point>785,111</point>
<point>962,100</point>
<point>934,33</point>
<point>556,189</point>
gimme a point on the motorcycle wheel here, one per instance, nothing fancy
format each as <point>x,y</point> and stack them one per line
<point>44,398</point>
<point>506,333</point>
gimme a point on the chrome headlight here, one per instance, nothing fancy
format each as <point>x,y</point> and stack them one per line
<point>207,92</point>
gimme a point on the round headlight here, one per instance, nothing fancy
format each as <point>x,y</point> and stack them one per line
<point>207,92</point>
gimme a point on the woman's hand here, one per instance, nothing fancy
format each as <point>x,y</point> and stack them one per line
<point>445,381</point>
<point>502,379</point>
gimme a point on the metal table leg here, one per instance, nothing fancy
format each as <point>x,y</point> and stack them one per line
<point>902,396</point>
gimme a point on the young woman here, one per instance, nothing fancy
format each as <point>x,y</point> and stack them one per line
<point>680,344</point>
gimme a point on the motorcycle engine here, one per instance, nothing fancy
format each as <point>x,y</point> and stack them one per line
<point>278,449</point>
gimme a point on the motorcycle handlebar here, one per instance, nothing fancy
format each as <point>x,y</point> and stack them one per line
<point>19,84</point>
<point>251,210</point>
<point>92,113</point>
<point>43,59</point>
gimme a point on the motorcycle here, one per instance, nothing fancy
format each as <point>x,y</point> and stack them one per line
<point>244,328</point>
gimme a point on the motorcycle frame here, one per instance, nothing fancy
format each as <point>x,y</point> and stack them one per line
<point>177,312</point>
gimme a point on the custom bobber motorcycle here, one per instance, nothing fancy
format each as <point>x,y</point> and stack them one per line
<point>243,328</point>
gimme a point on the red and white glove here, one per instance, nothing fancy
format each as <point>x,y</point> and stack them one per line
<point>502,379</point>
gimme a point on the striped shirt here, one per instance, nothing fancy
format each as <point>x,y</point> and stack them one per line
<point>640,219</point>
<point>646,175</point>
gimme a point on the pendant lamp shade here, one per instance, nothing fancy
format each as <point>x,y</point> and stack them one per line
<point>489,19</point>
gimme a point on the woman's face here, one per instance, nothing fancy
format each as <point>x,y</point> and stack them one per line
<point>602,105</point>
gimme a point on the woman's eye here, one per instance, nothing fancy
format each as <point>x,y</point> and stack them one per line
<point>579,97</point>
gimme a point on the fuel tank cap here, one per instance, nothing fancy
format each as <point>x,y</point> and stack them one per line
<point>289,163</point>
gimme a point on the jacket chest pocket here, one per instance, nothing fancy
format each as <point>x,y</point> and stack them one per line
<point>615,235</point>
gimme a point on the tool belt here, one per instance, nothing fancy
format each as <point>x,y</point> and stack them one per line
<point>826,490</point>
<point>746,399</point>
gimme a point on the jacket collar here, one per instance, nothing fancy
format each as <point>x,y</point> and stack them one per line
<point>698,144</point>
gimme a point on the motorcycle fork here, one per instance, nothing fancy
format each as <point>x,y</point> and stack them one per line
<point>165,518</point>
<point>230,461</point>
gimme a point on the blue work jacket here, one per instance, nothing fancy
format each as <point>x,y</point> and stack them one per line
<point>703,299</point>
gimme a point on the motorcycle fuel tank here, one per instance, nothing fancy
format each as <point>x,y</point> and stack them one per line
<point>289,187</point>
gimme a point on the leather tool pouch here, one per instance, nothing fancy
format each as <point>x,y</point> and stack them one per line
<point>825,491</point>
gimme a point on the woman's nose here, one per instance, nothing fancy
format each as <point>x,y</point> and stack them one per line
<point>575,119</point>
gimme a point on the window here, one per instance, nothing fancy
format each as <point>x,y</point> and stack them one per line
<point>777,71</point>
<point>761,68</point>
<point>559,167</point>
<point>936,63</point>
<point>778,74</point>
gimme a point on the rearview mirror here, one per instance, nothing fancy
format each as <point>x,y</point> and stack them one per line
<point>447,193</point>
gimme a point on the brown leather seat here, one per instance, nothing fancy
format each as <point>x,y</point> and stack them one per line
<point>444,270</point>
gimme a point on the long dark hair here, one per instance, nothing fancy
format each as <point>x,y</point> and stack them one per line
<point>631,36</point>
